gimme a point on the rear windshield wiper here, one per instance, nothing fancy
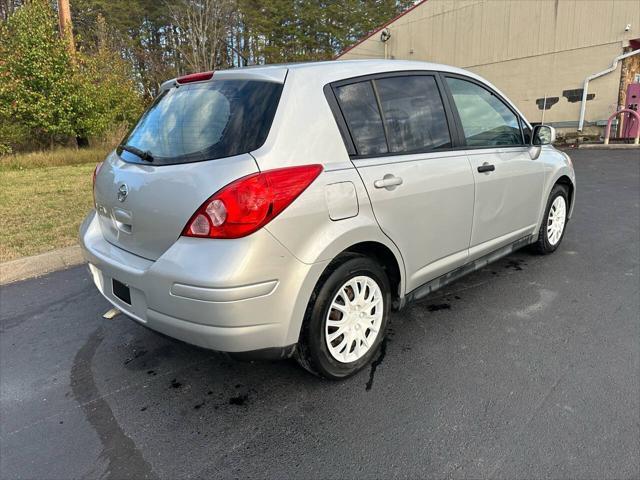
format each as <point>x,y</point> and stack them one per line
<point>144,155</point>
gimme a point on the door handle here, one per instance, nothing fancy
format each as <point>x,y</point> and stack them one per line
<point>486,167</point>
<point>388,182</point>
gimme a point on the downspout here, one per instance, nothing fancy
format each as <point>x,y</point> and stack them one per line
<point>585,88</point>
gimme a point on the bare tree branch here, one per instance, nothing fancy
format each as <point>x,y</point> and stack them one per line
<point>203,27</point>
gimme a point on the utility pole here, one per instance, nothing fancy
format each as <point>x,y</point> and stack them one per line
<point>66,28</point>
<point>66,33</point>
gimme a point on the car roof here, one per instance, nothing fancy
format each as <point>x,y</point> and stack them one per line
<point>330,70</point>
<point>351,68</point>
<point>365,64</point>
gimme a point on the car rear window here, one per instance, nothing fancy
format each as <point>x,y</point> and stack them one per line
<point>204,121</point>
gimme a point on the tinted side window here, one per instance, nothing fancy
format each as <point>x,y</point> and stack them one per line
<point>360,109</point>
<point>413,112</point>
<point>486,120</point>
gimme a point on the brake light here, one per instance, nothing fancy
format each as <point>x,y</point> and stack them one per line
<point>195,77</point>
<point>95,174</point>
<point>247,204</point>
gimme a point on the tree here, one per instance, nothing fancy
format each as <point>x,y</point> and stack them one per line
<point>166,38</point>
<point>106,94</point>
<point>36,81</point>
<point>7,7</point>
<point>142,31</point>
<point>47,97</point>
<point>302,30</point>
<point>204,26</point>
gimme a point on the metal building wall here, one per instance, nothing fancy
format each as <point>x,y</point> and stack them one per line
<point>527,48</point>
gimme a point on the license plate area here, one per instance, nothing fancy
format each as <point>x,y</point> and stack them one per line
<point>121,291</point>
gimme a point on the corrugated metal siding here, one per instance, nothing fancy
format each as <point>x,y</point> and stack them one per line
<point>477,32</point>
<point>527,80</point>
<point>528,48</point>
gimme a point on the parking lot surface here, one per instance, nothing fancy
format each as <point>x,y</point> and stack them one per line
<point>529,368</point>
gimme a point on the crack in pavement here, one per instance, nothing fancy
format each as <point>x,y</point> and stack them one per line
<point>376,363</point>
<point>124,459</point>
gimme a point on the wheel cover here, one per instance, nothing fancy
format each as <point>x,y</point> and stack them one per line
<point>354,319</point>
<point>556,220</point>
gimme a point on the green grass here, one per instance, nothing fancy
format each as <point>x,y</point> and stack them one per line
<point>43,199</point>
<point>52,158</point>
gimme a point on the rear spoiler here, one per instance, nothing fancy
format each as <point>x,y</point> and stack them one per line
<point>276,74</point>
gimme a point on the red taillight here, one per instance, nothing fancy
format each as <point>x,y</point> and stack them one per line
<point>95,174</point>
<point>195,77</point>
<point>244,206</point>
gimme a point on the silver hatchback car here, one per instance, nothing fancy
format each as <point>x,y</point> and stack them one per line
<point>285,210</point>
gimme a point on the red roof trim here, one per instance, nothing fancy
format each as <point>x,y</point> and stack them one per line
<point>372,33</point>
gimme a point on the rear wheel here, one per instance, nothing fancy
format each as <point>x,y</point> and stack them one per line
<point>554,221</point>
<point>346,318</point>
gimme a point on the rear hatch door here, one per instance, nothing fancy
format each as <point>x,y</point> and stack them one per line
<point>159,201</point>
<point>193,140</point>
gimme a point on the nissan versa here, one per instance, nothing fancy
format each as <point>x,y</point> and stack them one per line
<point>285,210</point>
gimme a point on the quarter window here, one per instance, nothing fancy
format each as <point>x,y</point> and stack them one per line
<point>360,110</point>
<point>486,120</point>
<point>413,113</point>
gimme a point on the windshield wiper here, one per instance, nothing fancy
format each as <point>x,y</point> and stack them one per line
<point>144,155</point>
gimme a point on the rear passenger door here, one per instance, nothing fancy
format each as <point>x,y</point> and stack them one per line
<point>509,182</point>
<point>422,191</point>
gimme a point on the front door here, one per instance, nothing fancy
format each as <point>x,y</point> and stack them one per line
<point>422,192</point>
<point>509,183</point>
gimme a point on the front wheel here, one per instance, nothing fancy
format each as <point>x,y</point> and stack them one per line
<point>346,318</point>
<point>554,221</point>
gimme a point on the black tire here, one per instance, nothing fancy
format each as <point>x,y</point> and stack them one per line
<point>312,352</point>
<point>543,246</point>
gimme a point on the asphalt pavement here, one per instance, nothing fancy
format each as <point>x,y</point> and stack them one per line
<point>529,368</point>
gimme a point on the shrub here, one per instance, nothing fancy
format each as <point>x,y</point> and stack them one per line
<point>47,94</point>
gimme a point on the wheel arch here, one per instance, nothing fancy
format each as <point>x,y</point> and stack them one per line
<point>567,182</point>
<point>390,264</point>
<point>378,247</point>
<point>563,175</point>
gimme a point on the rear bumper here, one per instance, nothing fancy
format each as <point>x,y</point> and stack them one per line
<point>229,295</point>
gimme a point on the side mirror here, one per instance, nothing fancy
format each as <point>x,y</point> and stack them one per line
<point>543,135</point>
